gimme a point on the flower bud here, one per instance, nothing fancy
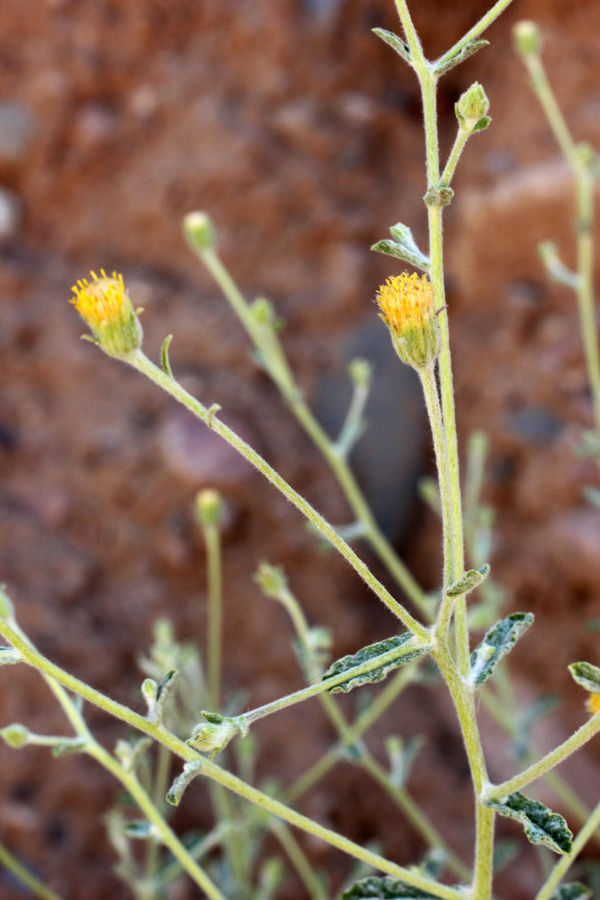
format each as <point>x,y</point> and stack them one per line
<point>213,735</point>
<point>527,38</point>
<point>471,109</point>
<point>209,508</point>
<point>271,580</point>
<point>15,735</point>
<point>105,306</point>
<point>407,308</point>
<point>199,231</point>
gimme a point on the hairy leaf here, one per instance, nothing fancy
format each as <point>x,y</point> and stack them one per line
<point>372,651</point>
<point>395,42</point>
<point>586,675</point>
<point>468,581</point>
<point>385,888</point>
<point>499,640</point>
<point>175,792</point>
<point>441,67</point>
<point>572,891</point>
<point>542,826</point>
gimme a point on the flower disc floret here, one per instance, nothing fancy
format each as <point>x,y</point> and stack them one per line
<point>593,704</point>
<point>105,306</point>
<point>407,307</point>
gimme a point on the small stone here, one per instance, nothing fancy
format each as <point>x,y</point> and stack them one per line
<point>535,425</point>
<point>11,213</point>
<point>17,129</point>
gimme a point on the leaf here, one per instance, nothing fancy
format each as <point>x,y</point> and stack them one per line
<point>141,830</point>
<point>542,826</point>
<point>175,792</point>
<point>69,745</point>
<point>499,640</point>
<point>403,246</point>
<point>372,651</point>
<point>572,891</point>
<point>9,656</point>
<point>394,42</point>
<point>483,123</point>
<point>444,65</point>
<point>468,581</point>
<point>385,888</point>
<point>586,675</point>
<point>164,355</point>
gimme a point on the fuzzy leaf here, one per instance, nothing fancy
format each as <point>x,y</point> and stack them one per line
<point>141,830</point>
<point>9,656</point>
<point>468,581</point>
<point>175,792</point>
<point>372,651</point>
<point>385,888</point>
<point>483,123</point>
<point>542,826</point>
<point>403,246</point>
<point>499,640</point>
<point>69,745</point>
<point>442,66</point>
<point>586,675</point>
<point>572,891</point>
<point>394,42</point>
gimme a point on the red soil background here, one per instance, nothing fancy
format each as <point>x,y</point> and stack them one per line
<point>300,132</point>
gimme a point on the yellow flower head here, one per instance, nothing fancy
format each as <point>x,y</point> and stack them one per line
<point>407,307</point>
<point>105,306</point>
<point>593,704</point>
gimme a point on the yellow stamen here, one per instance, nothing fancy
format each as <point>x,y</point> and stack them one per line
<point>103,301</point>
<point>406,300</point>
<point>593,704</point>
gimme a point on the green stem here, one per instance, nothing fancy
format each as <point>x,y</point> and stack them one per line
<point>272,353</point>
<point>565,862</point>
<point>16,868</point>
<point>215,614</point>
<point>213,771</point>
<point>299,861</point>
<point>457,148</point>
<point>247,719</point>
<point>434,411</point>
<point>143,364</point>
<point>475,31</point>
<point>547,762</point>
<point>159,790</point>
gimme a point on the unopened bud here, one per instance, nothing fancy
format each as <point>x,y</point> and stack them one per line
<point>15,735</point>
<point>209,508</point>
<point>213,735</point>
<point>360,371</point>
<point>271,580</point>
<point>199,231</point>
<point>471,109</point>
<point>528,38</point>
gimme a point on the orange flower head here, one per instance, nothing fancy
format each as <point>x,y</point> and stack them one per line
<point>407,308</point>
<point>105,306</point>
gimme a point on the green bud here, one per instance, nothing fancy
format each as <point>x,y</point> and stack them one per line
<point>271,580</point>
<point>15,735</point>
<point>360,371</point>
<point>209,508</point>
<point>471,109</point>
<point>213,735</point>
<point>527,38</point>
<point>149,689</point>
<point>199,231</point>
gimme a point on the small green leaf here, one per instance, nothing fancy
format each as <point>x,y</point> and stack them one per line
<point>385,888</point>
<point>69,745</point>
<point>9,656</point>
<point>395,43</point>
<point>444,65</point>
<point>483,123</point>
<point>468,581</point>
<point>141,830</point>
<point>130,754</point>
<point>175,792</point>
<point>372,651</point>
<point>542,826</point>
<point>164,355</point>
<point>164,689</point>
<point>499,640</point>
<point>572,891</point>
<point>403,246</point>
<point>586,675</point>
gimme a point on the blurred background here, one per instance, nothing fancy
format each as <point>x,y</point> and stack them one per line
<point>300,133</point>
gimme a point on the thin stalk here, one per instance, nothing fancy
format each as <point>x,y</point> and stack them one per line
<point>278,368</point>
<point>143,364</point>
<point>159,790</point>
<point>300,862</point>
<point>213,771</point>
<point>434,411</point>
<point>215,614</point>
<point>16,868</point>
<point>475,31</point>
<point>584,226</point>
<point>546,763</point>
<point>457,148</point>
<point>565,862</point>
